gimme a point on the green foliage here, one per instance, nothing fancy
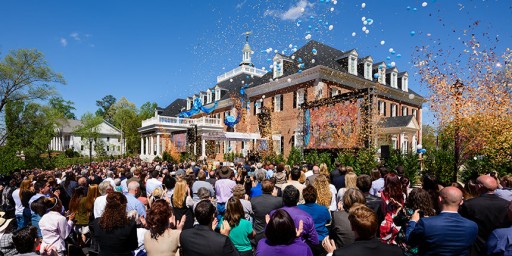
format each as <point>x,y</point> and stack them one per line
<point>295,157</point>
<point>362,160</point>
<point>9,162</point>
<point>409,161</point>
<point>124,116</point>
<point>89,127</point>
<point>104,105</point>
<point>30,129</point>
<point>25,76</point>
<point>312,157</point>
<point>63,108</point>
<point>325,158</point>
<point>439,162</point>
<point>429,137</point>
<point>168,158</point>
<point>147,110</point>
<point>157,159</point>
<point>348,158</point>
<point>70,153</point>
<point>274,158</point>
<point>99,148</point>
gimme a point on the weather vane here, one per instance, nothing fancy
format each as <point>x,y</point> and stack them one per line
<point>247,35</point>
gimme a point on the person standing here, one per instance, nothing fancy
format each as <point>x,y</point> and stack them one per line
<point>445,234</point>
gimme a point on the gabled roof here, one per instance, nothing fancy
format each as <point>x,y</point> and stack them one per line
<point>347,53</point>
<point>175,107</point>
<point>391,70</point>
<point>399,122</point>
<point>69,125</point>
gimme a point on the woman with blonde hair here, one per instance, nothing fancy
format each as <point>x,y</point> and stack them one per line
<point>350,182</point>
<point>326,192</point>
<point>324,170</point>
<point>182,203</point>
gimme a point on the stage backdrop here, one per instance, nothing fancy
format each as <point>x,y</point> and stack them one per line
<point>330,127</point>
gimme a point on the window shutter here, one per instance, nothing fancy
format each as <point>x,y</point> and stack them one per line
<point>281,103</point>
<point>305,99</point>
<point>295,99</point>
<point>385,108</point>
<point>274,104</point>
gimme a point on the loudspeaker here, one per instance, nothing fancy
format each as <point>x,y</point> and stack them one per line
<point>384,151</point>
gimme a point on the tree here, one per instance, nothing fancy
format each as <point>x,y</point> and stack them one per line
<point>105,103</point>
<point>147,110</point>
<point>124,117</point>
<point>62,107</point>
<point>30,128</point>
<point>89,128</point>
<point>471,96</point>
<point>25,76</point>
<point>429,137</point>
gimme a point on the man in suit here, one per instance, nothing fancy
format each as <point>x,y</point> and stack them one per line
<point>202,240</point>
<point>364,184</point>
<point>488,210</point>
<point>263,205</point>
<point>445,234</point>
<point>364,224</point>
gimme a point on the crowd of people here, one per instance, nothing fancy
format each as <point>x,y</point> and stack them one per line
<point>131,207</point>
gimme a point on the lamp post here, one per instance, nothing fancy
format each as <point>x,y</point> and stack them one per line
<point>458,88</point>
<point>90,150</point>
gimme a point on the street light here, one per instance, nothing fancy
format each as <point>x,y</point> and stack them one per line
<point>90,150</point>
<point>458,88</point>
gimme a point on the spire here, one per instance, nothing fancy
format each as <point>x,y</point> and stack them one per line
<point>246,57</point>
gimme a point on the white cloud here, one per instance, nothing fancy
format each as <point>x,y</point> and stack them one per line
<point>75,36</point>
<point>63,41</point>
<point>293,13</point>
<point>240,5</point>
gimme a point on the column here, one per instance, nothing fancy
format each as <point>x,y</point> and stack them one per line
<point>141,145</point>
<point>158,144</point>
<point>147,145</point>
<point>163,145</point>
<point>203,148</point>
<point>151,145</point>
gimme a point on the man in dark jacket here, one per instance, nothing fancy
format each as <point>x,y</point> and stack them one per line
<point>202,240</point>
<point>263,205</point>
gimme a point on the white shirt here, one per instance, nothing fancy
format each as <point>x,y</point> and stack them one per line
<point>151,185</point>
<point>54,228</point>
<point>308,173</point>
<point>111,182</point>
<point>99,206</point>
<point>377,187</point>
<point>17,201</point>
<point>124,186</point>
<point>334,205</point>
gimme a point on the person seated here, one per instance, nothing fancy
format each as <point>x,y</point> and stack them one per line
<point>26,241</point>
<point>500,240</point>
<point>363,221</point>
<point>282,238</point>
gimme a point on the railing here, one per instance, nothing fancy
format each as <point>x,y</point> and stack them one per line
<point>239,70</point>
<point>181,121</point>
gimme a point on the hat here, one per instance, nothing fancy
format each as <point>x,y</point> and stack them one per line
<point>180,172</point>
<point>225,173</point>
<point>4,223</point>
<point>232,164</point>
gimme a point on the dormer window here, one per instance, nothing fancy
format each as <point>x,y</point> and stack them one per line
<point>209,97</point>
<point>382,75</point>
<point>352,65</point>
<point>394,77</point>
<point>368,70</point>
<point>189,104</point>
<point>405,84</point>
<point>278,68</point>
<point>217,94</point>
<point>335,91</point>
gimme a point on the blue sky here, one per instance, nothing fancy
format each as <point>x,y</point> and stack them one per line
<point>162,50</point>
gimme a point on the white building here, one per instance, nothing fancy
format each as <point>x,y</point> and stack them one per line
<point>66,137</point>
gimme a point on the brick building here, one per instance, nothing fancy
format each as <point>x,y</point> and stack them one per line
<point>314,78</point>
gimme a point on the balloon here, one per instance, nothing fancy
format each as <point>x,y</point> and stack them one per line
<point>375,75</point>
<point>408,8</point>
<point>293,57</point>
<point>388,58</point>
<point>289,80</point>
<point>314,51</point>
<point>390,49</point>
<point>308,37</point>
<point>393,52</point>
<point>353,33</point>
<point>300,59</point>
<point>363,5</point>
<point>300,71</point>
<point>364,29</point>
<point>414,9</point>
<point>411,96</point>
<point>413,33</point>
<point>398,56</point>
<point>382,42</point>
<point>231,80</point>
<point>313,61</point>
<point>331,27</point>
<point>424,4</point>
<point>365,22</point>
<point>367,31</point>
<point>291,46</point>
<point>363,18</point>
<point>393,64</point>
